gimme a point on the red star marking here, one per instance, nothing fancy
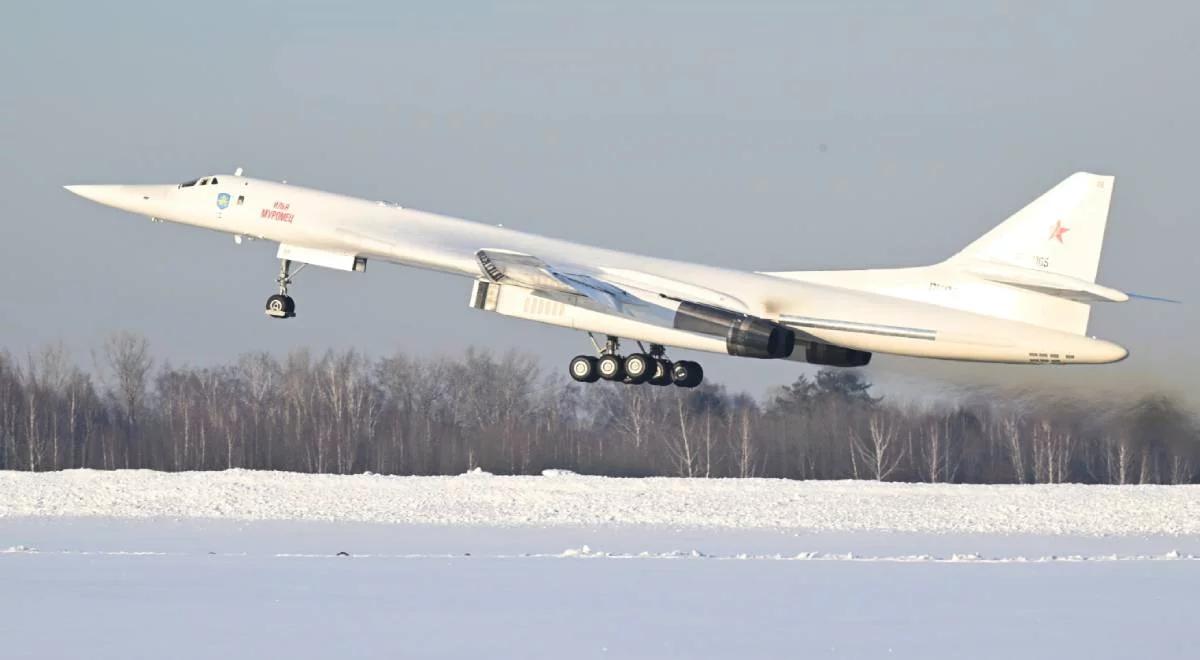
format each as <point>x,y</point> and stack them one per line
<point>1058,231</point>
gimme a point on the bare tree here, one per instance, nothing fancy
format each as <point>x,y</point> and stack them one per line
<point>744,450</point>
<point>347,413</point>
<point>931,447</point>
<point>129,359</point>
<point>878,448</point>
<point>679,443</point>
<point>1052,451</point>
<point>1119,455</point>
<point>1008,428</point>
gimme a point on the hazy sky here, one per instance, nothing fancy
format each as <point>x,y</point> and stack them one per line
<point>790,136</point>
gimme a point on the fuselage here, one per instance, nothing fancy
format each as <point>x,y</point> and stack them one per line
<point>384,231</point>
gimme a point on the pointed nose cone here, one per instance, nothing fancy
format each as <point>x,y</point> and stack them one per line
<point>99,194</point>
<point>136,199</point>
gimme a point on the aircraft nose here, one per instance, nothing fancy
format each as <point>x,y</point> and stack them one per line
<point>128,198</point>
<point>98,194</point>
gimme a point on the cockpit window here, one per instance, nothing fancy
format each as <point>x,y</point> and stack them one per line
<point>199,182</point>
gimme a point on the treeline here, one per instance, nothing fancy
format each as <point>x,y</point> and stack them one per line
<point>340,412</point>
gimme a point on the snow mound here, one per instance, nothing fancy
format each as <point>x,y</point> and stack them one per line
<point>577,500</point>
<point>15,549</point>
<point>585,551</point>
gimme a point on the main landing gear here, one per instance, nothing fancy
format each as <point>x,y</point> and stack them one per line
<point>650,367</point>
<point>281,305</point>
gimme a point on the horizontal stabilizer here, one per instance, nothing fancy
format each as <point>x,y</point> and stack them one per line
<point>1138,296</point>
<point>1051,284</point>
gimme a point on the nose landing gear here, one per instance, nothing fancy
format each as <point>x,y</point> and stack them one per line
<point>281,305</point>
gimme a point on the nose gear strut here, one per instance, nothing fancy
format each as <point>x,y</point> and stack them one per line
<point>281,305</point>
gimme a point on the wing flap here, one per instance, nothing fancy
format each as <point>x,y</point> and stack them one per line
<point>505,267</point>
<point>639,296</point>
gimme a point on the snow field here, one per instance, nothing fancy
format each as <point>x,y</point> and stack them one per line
<point>243,564</point>
<point>562,499</point>
<point>184,589</point>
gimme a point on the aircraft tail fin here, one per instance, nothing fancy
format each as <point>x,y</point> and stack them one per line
<point>1038,266</point>
<point>1060,232</point>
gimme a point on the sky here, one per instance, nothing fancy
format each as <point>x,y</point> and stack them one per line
<point>784,136</point>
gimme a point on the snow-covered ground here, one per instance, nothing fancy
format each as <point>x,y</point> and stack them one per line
<point>250,565</point>
<point>569,499</point>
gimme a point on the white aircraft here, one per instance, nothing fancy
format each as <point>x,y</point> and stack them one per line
<point>1019,294</point>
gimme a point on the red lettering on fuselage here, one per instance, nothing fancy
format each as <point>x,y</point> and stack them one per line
<point>279,212</point>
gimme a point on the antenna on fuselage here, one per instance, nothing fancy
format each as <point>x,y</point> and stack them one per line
<point>237,172</point>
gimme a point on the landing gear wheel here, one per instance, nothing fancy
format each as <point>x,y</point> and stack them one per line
<point>281,307</point>
<point>662,373</point>
<point>610,367</point>
<point>687,374</point>
<point>639,368</point>
<point>584,369</point>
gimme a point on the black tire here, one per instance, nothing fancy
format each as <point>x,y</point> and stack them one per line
<point>639,368</point>
<point>679,373</point>
<point>583,369</point>
<point>279,306</point>
<point>610,367</point>
<point>687,374</point>
<point>662,373</point>
<point>289,305</point>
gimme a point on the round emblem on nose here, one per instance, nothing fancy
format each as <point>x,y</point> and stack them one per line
<point>223,201</point>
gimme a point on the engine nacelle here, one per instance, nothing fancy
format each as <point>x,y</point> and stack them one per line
<point>835,356</point>
<point>745,336</point>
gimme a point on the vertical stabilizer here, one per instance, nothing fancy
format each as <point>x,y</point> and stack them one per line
<point>1060,232</point>
<point>1038,266</point>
